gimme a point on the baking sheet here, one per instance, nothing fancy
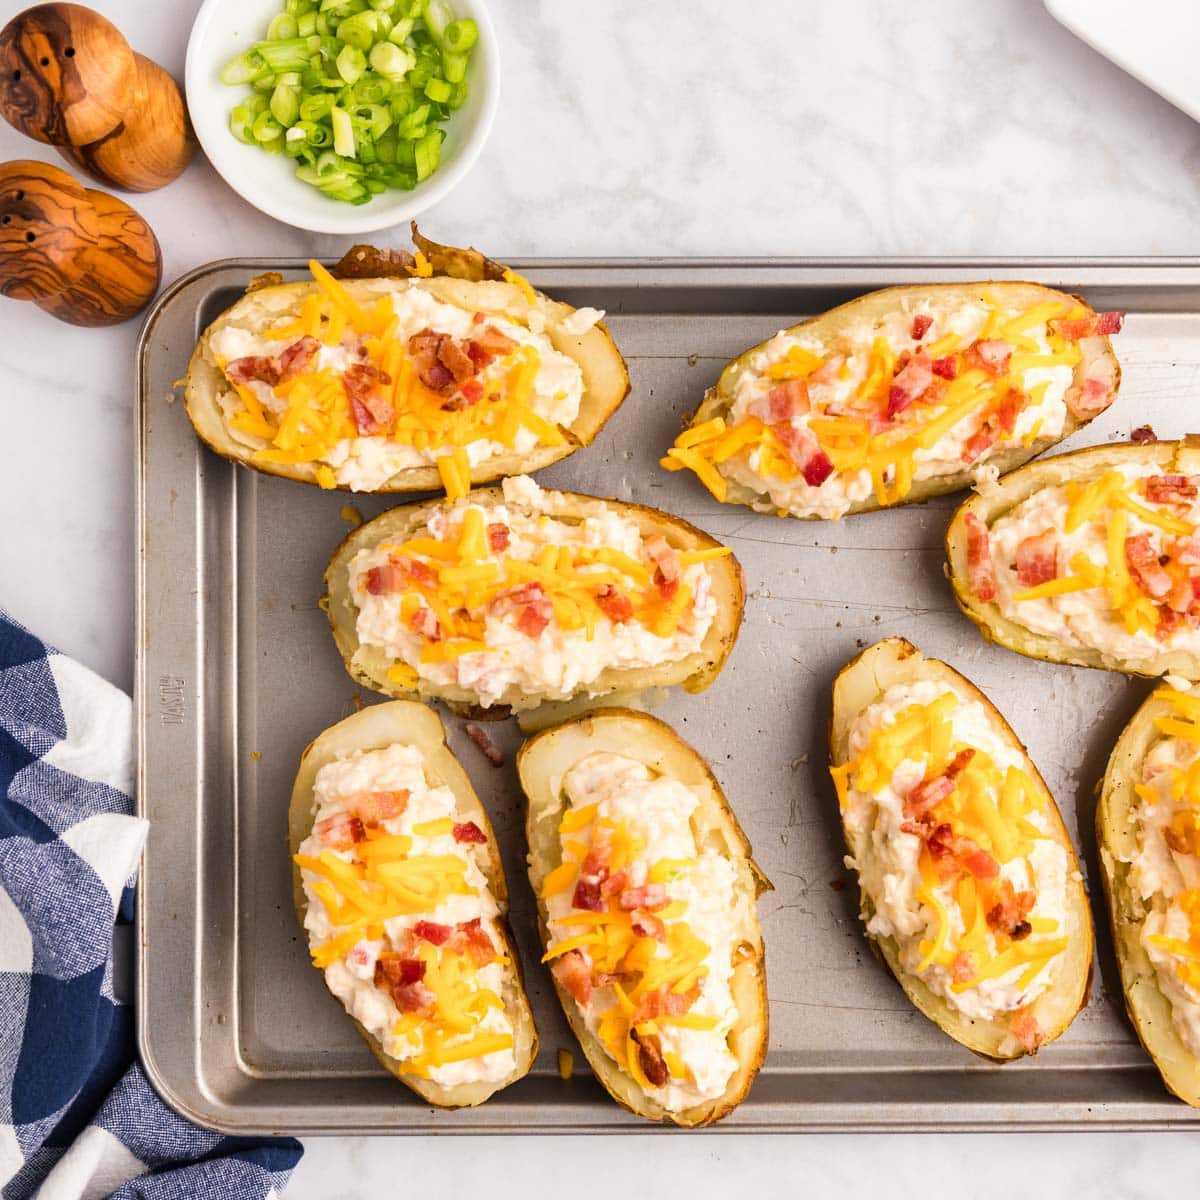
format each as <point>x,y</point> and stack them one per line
<point>237,672</point>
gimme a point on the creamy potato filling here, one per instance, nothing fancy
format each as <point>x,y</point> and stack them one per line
<point>955,854</point>
<point>399,379</point>
<point>928,390</point>
<point>1110,563</point>
<point>401,920</point>
<point>1165,873</point>
<point>644,928</point>
<point>516,603</point>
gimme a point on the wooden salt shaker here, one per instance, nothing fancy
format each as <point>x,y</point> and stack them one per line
<point>82,255</point>
<point>68,78</point>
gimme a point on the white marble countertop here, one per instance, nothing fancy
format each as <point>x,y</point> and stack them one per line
<point>771,127</point>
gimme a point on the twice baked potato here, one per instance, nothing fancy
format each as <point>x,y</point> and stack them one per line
<point>399,887</point>
<point>516,596</point>
<point>439,369</point>
<point>971,892</point>
<point>646,900</point>
<point>1148,831</point>
<point>1089,558</point>
<point>902,394</point>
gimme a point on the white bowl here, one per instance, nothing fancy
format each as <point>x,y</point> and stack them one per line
<point>225,28</point>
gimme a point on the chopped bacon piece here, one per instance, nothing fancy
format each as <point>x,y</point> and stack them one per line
<point>782,403</point>
<point>920,326</point>
<point>1025,1029</point>
<point>663,1002</point>
<point>827,372</point>
<point>297,356</point>
<point>992,355</point>
<point>471,939</point>
<point>962,968</point>
<point>649,896</point>
<point>454,357</point>
<point>1143,435</point>
<point>394,969</point>
<point>375,807</point>
<point>372,411</point>
<point>1090,399</point>
<point>981,574</point>
<point>1037,558</point>
<point>979,443</point>
<point>666,558</point>
<point>431,931</point>
<point>467,833</point>
<point>483,740</point>
<point>1144,566</point>
<point>651,1060</point>
<point>413,997</point>
<point>945,368</point>
<point>1187,552</point>
<point>402,977</point>
<point>436,378</point>
<point>341,831</point>
<point>587,894</point>
<point>931,792</point>
<point>910,384</point>
<point>613,602</point>
<point>1170,489</point>
<point>425,622</point>
<point>953,851</point>
<point>400,574</point>
<point>1009,909</point>
<point>818,469</point>
<point>574,975</point>
<point>263,368</point>
<point>1182,595</point>
<point>498,537</point>
<point>646,925</point>
<point>532,606</point>
<point>492,341</point>
<point>1097,323</point>
<point>469,393</point>
<point>614,884</point>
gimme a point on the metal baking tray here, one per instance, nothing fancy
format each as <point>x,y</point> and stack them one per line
<point>236,672</point>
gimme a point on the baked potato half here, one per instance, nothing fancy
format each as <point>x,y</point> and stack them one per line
<point>1146,831</point>
<point>970,889</point>
<point>1087,558</point>
<point>646,900</point>
<point>399,887</point>
<point>409,374</point>
<point>516,596</point>
<point>900,395</point>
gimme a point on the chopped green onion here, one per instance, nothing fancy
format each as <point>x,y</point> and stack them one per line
<point>306,24</point>
<point>282,27</point>
<point>459,36</point>
<point>245,68</point>
<point>438,90</point>
<point>285,103</point>
<point>427,153</point>
<point>454,67</point>
<point>391,61</point>
<point>343,132</point>
<point>351,63</point>
<point>289,55</point>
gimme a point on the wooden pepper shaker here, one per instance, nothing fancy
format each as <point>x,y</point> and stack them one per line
<point>82,255</point>
<point>68,78</point>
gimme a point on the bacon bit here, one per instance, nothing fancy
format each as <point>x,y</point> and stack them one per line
<point>399,574</point>
<point>394,969</point>
<point>650,1058</point>
<point>467,833</point>
<point>662,1002</point>
<point>1090,399</point>
<point>341,831</point>
<point>962,968</point>
<point>666,559</point>
<point>493,342</point>
<point>381,806</point>
<point>454,357</point>
<point>991,355</point>
<point>782,403</point>
<point>372,412</point>
<point>1142,435</point>
<point>587,895</point>
<point>649,896</point>
<point>1009,909</point>
<point>614,604</point>
<point>431,931</point>
<point>1182,595</point>
<point>470,393</point>
<point>801,444</point>
<point>1025,1029</point>
<point>920,326</point>
<point>949,850</point>
<point>1145,568</point>
<point>981,574</point>
<point>646,925</point>
<point>1169,489</point>
<point>574,976</point>
<point>498,537</point>
<point>1187,552</point>
<point>614,884</point>
<point>478,319</point>
<point>818,469</point>
<point>930,792</point>
<point>471,939</point>
<point>979,443</point>
<point>1098,323</point>
<point>1037,558</point>
<point>532,606</point>
<point>263,368</point>
<point>910,384</point>
<point>425,622</point>
<point>437,378</point>
<point>402,977</point>
<point>945,368</point>
<point>827,371</point>
<point>491,751</point>
<point>297,356</point>
<point>413,998</point>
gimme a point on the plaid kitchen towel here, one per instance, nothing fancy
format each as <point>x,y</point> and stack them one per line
<point>78,1120</point>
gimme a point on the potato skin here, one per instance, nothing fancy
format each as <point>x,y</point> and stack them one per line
<point>414,724</point>
<point>368,667</point>
<point>1149,1010</point>
<point>637,735</point>
<point>718,400</point>
<point>858,685</point>
<point>999,499</point>
<point>460,276</point>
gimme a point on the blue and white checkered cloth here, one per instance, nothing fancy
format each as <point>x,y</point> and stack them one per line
<point>78,1121</point>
